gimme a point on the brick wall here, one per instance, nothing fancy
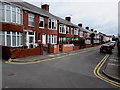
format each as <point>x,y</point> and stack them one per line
<point>65,49</point>
<point>26,52</point>
<point>76,47</point>
<point>53,48</point>
<point>12,27</point>
<point>19,52</point>
<point>88,45</point>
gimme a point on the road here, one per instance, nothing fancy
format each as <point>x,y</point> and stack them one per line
<point>75,71</point>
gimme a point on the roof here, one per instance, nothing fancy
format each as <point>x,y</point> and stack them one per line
<point>34,9</point>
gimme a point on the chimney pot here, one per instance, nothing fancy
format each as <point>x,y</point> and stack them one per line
<point>68,19</point>
<point>87,28</point>
<point>45,7</point>
<point>80,25</point>
<point>92,29</point>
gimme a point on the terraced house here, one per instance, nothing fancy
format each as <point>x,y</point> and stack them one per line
<point>29,30</point>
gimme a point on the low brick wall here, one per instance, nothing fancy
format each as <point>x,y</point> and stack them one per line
<point>56,49</point>
<point>66,48</point>
<point>88,45</point>
<point>76,47</point>
<point>7,51</point>
<point>20,52</point>
<point>25,53</point>
<point>53,48</point>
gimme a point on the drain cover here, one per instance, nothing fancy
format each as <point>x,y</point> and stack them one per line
<point>11,74</point>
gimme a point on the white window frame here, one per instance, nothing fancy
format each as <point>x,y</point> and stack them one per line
<point>62,29</point>
<point>52,39</point>
<point>20,16</point>
<point>11,38</point>
<point>30,18</point>
<point>55,24</point>
<point>75,31</point>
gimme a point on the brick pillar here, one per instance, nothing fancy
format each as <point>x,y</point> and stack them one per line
<point>62,47</point>
<point>50,48</point>
<point>41,49</point>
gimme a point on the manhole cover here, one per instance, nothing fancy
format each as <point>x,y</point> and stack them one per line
<point>11,74</point>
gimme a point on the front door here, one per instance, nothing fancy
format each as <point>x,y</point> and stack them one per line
<point>31,42</point>
<point>44,39</point>
<point>30,39</point>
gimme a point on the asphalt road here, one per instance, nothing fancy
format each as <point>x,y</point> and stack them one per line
<point>74,71</point>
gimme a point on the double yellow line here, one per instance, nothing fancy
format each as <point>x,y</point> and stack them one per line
<point>97,72</point>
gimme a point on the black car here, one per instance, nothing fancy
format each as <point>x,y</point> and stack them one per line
<point>106,49</point>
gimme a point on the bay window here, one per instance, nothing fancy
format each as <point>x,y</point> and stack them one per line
<point>52,39</point>
<point>8,13</point>
<point>2,38</point>
<point>52,24</point>
<point>8,40</point>
<point>41,22</point>
<point>30,19</point>
<point>11,14</point>
<point>12,39</point>
<point>3,13</point>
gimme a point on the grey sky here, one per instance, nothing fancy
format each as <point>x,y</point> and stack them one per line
<point>99,15</point>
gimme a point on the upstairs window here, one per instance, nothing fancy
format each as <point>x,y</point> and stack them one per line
<point>3,13</point>
<point>8,13</point>
<point>41,22</point>
<point>75,31</point>
<point>62,29</point>
<point>81,33</point>
<point>31,19</point>
<point>11,14</point>
<point>52,24</point>
<point>68,31</point>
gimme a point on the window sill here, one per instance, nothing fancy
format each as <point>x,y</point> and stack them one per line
<point>52,29</point>
<point>11,23</point>
<point>42,27</point>
<point>31,26</point>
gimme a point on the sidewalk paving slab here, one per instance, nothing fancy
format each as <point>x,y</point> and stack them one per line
<point>112,67</point>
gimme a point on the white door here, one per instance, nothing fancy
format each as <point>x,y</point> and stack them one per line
<point>30,39</point>
<point>31,42</point>
<point>44,39</point>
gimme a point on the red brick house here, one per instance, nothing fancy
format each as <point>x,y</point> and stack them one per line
<point>27,28</point>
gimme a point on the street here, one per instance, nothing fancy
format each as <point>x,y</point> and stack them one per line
<point>75,71</point>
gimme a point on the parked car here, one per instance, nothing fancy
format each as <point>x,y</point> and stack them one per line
<point>106,48</point>
<point>113,42</point>
<point>112,45</point>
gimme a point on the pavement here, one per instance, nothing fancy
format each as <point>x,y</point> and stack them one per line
<point>112,68</point>
<point>44,57</point>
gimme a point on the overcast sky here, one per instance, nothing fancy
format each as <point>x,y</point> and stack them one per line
<point>101,15</point>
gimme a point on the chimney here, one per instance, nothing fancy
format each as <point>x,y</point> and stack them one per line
<point>45,7</point>
<point>68,19</point>
<point>80,25</point>
<point>95,31</point>
<point>92,30</point>
<point>87,28</point>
